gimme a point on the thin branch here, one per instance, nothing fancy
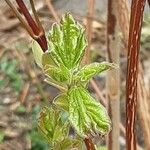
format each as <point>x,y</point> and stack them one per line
<point>89,144</point>
<point>35,31</point>
<point>113,76</point>
<point>35,15</point>
<point>23,23</point>
<point>148,2</point>
<point>142,101</point>
<point>143,111</point>
<point>89,24</point>
<point>137,8</point>
<point>28,17</point>
<point>52,10</point>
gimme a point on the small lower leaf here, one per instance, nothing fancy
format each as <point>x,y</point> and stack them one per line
<point>51,126</point>
<point>62,101</point>
<point>87,115</point>
<point>68,144</point>
<point>60,74</point>
<point>60,86</point>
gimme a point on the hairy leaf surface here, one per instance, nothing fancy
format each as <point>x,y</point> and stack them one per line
<point>47,59</point>
<point>91,70</point>
<point>51,126</point>
<point>87,115</point>
<point>67,42</point>
<point>60,74</point>
<point>62,101</point>
<point>59,85</point>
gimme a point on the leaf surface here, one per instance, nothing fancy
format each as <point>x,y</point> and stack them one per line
<point>59,74</point>
<point>67,42</point>
<point>87,115</point>
<point>62,101</point>
<point>51,126</point>
<point>37,53</point>
<point>91,70</point>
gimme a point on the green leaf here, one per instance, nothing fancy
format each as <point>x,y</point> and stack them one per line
<point>62,101</point>
<point>89,71</point>
<point>46,123</point>
<point>47,59</point>
<point>67,42</point>
<point>37,53</point>
<point>87,115</point>
<point>102,148</point>
<point>60,74</point>
<point>68,144</point>
<point>58,85</point>
<point>51,126</point>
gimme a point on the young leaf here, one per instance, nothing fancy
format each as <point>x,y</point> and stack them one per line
<point>67,42</point>
<point>89,71</point>
<point>47,59</point>
<point>51,126</point>
<point>62,101</point>
<point>68,144</point>
<point>60,74</point>
<point>46,123</point>
<point>37,53</point>
<point>87,115</point>
<point>58,85</point>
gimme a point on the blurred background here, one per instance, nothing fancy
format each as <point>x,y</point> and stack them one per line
<point>22,89</point>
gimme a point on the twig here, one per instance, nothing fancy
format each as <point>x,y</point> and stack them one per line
<point>148,2</point>
<point>20,18</point>
<point>89,24</point>
<point>89,144</point>
<point>113,76</point>
<point>33,28</point>
<point>143,112</point>
<point>24,93</point>
<point>123,17</point>
<point>137,9</point>
<point>98,92</point>
<point>52,10</point>
<point>35,15</point>
<point>28,17</point>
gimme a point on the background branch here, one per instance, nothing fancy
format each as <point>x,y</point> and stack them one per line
<point>137,9</point>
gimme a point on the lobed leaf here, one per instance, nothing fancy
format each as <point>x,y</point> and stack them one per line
<point>91,70</point>
<point>67,42</point>
<point>87,115</point>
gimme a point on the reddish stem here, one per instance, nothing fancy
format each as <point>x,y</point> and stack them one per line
<point>132,70</point>
<point>39,34</point>
<point>28,17</point>
<point>149,2</point>
<point>89,144</point>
